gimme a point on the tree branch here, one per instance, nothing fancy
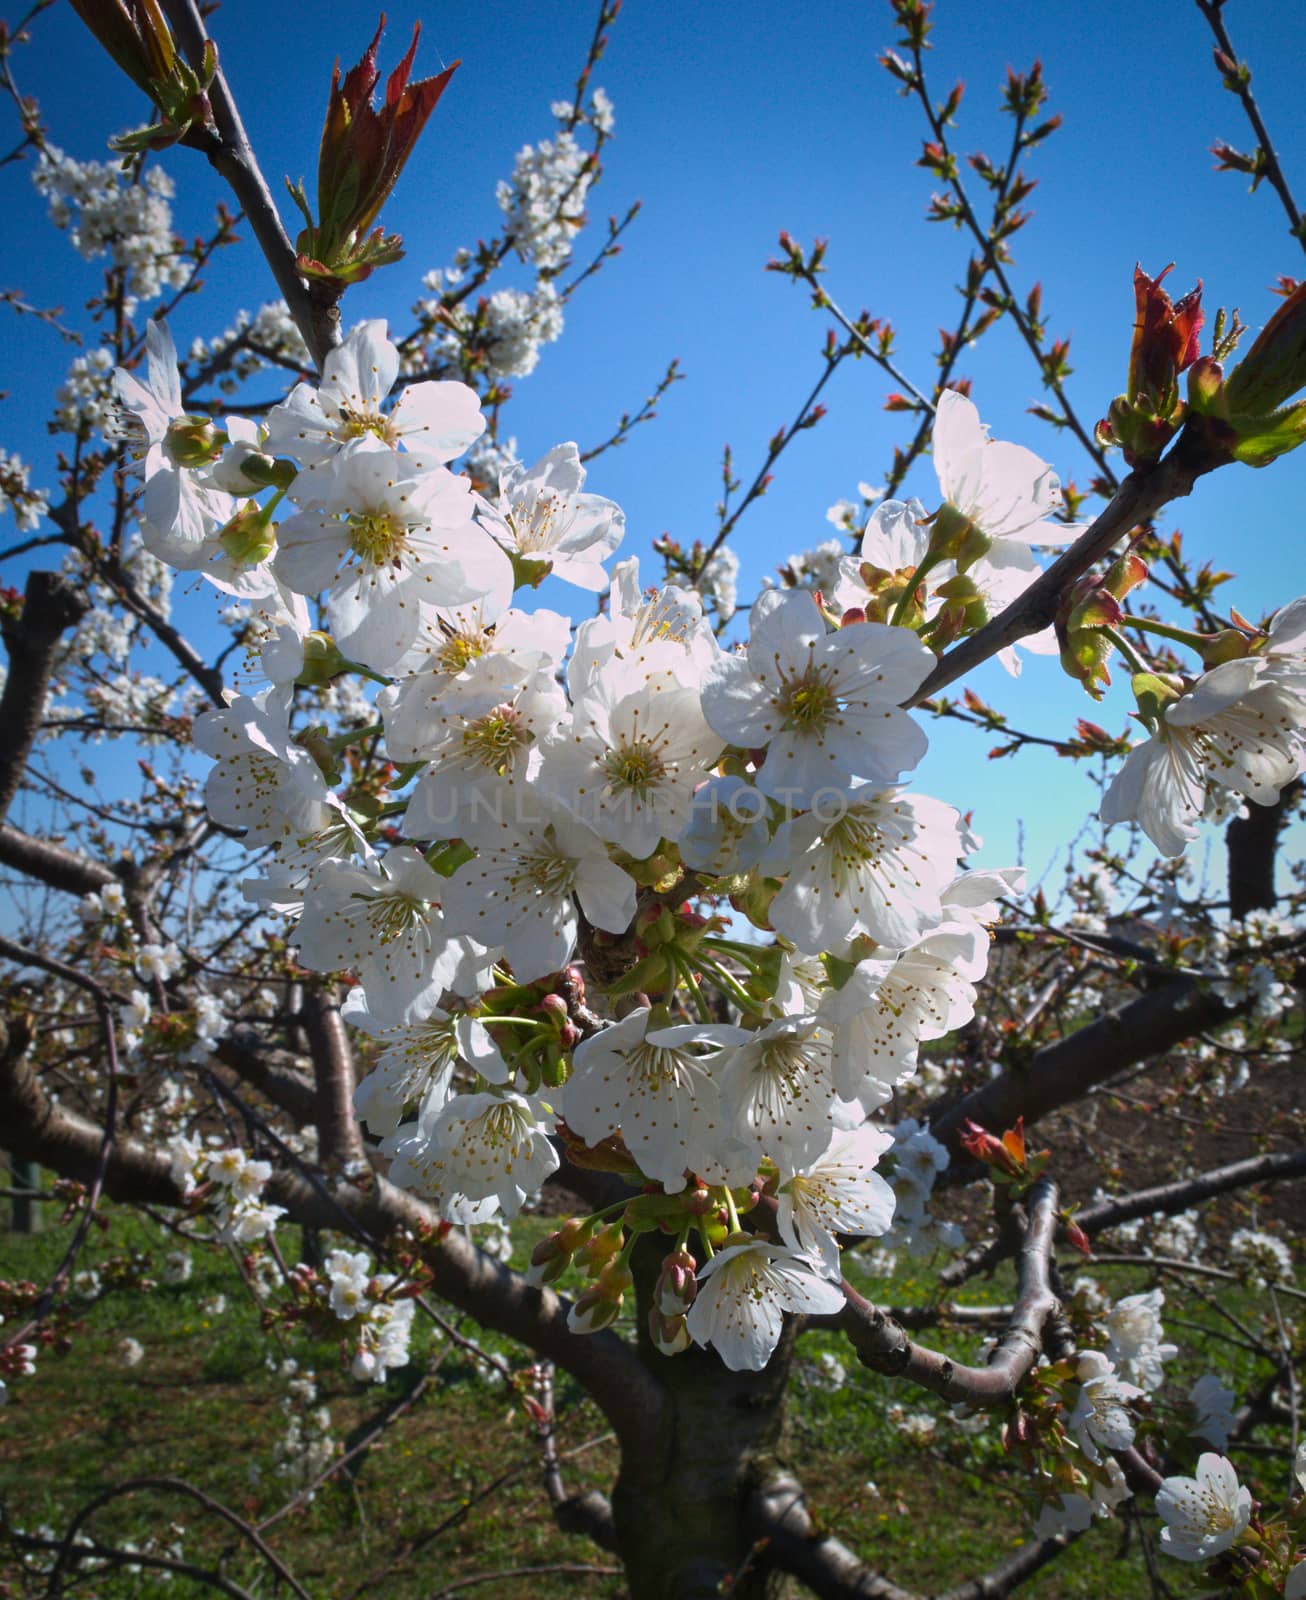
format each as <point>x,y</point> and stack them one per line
<point>51,605</point>
<point>230,153</point>
<point>1139,497</point>
<point>272,1072</point>
<point>37,1129</point>
<point>339,1141</point>
<point>1068,1068</point>
<point>883,1344</point>
<point>51,864</point>
<point>1174,1197</point>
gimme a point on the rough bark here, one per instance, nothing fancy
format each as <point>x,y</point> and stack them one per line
<point>51,605</point>
<point>681,1505</point>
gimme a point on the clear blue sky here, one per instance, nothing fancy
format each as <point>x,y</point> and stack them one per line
<point>735,119</point>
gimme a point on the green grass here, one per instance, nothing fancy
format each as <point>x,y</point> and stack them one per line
<point>453,1489</point>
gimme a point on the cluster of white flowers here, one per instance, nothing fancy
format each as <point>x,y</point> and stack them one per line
<point>384,1326</point>
<point>819,568</point>
<point>718,583</point>
<point>1235,733</point>
<point>84,401</point>
<point>1261,1257</point>
<point>237,1182</point>
<point>552,764</point>
<point>307,1447</point>
<point>543,203</point>
<point>17,495</point>
<point>105,214</point>
<point>918,1159</point>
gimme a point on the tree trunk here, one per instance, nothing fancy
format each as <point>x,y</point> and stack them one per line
<point>1253,844</point>
<point>681,1499</point>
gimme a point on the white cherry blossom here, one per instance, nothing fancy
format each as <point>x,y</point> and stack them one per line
<point>1005,490</point>
<point>385,924</point>
<point>658,1088</point>
<point>778,1091</point>
<point>743,1293</point>
<point>434,421</point>
<point>521,889</point>
<point>478,1155</point>
<point>1233,730</point>
<point>629,762</point>
<point>542,514</point>
<point>1101,1419</point>
<point>390,537</point>
<point>879,868</point>
<point>838,1192</point>
<point>1203,1515</point>
<point>823,704</point>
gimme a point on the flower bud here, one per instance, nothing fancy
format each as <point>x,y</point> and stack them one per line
<point>193,442</point>
<point>677,1284</point>
<point>670,1335</point>
<point>248,539</point>
<point>322,660</point>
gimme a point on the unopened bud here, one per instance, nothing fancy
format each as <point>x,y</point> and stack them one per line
<point>670,1335</point>
<point>322,659</point>
<point>193,442</point>
<point>677,1284</point>
<point>248,539</point>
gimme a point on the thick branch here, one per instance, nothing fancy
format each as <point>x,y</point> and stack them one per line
<point>1170,1198</point>
<point>1139,497</point>
<point>780,1520</point>
<point>51,864</point>
<point>339,1142</point>
<point>274,1073</point>
<point>883,1344</point>
<point>1253,845</point>
<point>51,605</point>
<point>1068,1068</point>
<point>778,1512</point>
<point>36,1129</point>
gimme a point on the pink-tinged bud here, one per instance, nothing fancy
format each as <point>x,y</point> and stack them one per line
<point>592,1311</point>
<point>1007,1154</point>
<point>1165,339</point>
<point>1077,1238</point>
<point>554,1008</point>
<point>853,614</point>
<point>677,1284</point>
<point>670,1335</point>
<point>698,1202</point>
<point>568,1036</point>
<point>1205,384</point>
<point>535,1411</point>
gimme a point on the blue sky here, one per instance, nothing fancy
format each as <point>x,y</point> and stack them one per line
<point>735,120</point>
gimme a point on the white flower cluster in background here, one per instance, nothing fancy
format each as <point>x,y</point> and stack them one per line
<point>543,203</point>
<point>237,1184</point>
<point>307,1447</point>
<point>384,1327</point>
<point>28,505</point>
<point>106,214</point>
<point>249,344</point>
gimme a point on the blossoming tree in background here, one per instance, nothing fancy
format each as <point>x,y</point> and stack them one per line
<point>462,898</point>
